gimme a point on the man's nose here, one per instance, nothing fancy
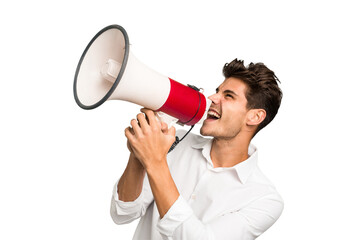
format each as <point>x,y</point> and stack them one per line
<point>215,98</point>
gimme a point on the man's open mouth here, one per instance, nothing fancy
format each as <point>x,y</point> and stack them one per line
<point>212,114</point>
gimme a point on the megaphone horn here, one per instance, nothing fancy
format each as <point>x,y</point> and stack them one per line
<point>108,70</point>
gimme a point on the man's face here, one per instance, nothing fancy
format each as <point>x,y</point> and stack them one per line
<point>227,113</point>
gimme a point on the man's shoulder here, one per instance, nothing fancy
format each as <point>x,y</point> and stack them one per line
<point>263,183</point>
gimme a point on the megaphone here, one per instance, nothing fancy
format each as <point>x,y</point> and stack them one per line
<point>107,70</point>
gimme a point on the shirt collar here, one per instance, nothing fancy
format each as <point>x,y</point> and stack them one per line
<point>243,169</point>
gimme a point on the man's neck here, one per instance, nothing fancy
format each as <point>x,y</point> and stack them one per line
<point>229,152</point>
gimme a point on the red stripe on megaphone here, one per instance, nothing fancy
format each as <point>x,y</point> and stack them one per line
<point>184,103</point>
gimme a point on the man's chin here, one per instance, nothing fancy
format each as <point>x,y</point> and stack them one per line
<point>205,131</point>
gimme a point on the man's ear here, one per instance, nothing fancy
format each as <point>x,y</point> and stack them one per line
<point>255,117</point>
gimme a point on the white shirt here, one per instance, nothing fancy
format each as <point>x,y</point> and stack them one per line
<point>215,203</point>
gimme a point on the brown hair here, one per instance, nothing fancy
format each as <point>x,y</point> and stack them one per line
<point>262,91</point>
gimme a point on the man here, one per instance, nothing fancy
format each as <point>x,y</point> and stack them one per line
<point>206,188</point>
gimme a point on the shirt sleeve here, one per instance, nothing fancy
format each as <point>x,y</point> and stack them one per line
<point>125,212</point>
<point>180,223</point>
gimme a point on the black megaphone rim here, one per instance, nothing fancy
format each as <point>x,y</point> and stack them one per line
<point>121,72</point>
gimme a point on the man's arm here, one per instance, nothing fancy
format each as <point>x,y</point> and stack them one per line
<point>163,187</point>
<point>132,194</point>
<point>150,141</point>
<point>180,223</point>
<point>131,182</point>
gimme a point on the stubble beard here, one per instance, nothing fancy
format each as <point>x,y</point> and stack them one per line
<point>217,133</point>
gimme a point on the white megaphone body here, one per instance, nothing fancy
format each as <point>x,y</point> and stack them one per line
<point>107,70</point>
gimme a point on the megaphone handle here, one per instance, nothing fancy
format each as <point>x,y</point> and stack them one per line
<point>169,120</point>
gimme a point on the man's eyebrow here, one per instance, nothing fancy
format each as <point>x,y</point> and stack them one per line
<point>226,91</point>
<point>230,91</point>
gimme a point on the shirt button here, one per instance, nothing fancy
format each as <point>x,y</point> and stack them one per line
<point>193,196</point>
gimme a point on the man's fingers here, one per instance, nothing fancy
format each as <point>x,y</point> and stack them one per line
<point>150,116</point>
<point>164,127</point>
<point>135,126</point>
<point>129,133</point>
<point>172,131</point>
<point>144,125</point>
<point>130,130</point>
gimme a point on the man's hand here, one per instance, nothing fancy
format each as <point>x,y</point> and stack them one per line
<point>149,139</point>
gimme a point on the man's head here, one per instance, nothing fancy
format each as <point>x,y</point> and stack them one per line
<point>247,100</point>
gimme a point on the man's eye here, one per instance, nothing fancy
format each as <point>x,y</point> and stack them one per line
<point>229,95</point>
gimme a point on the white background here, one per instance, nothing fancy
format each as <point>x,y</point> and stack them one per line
<point>59,162</point>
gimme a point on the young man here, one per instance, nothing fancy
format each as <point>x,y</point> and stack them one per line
<point>206,188</point>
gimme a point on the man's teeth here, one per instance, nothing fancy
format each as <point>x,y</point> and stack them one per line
<point>213,114</point>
